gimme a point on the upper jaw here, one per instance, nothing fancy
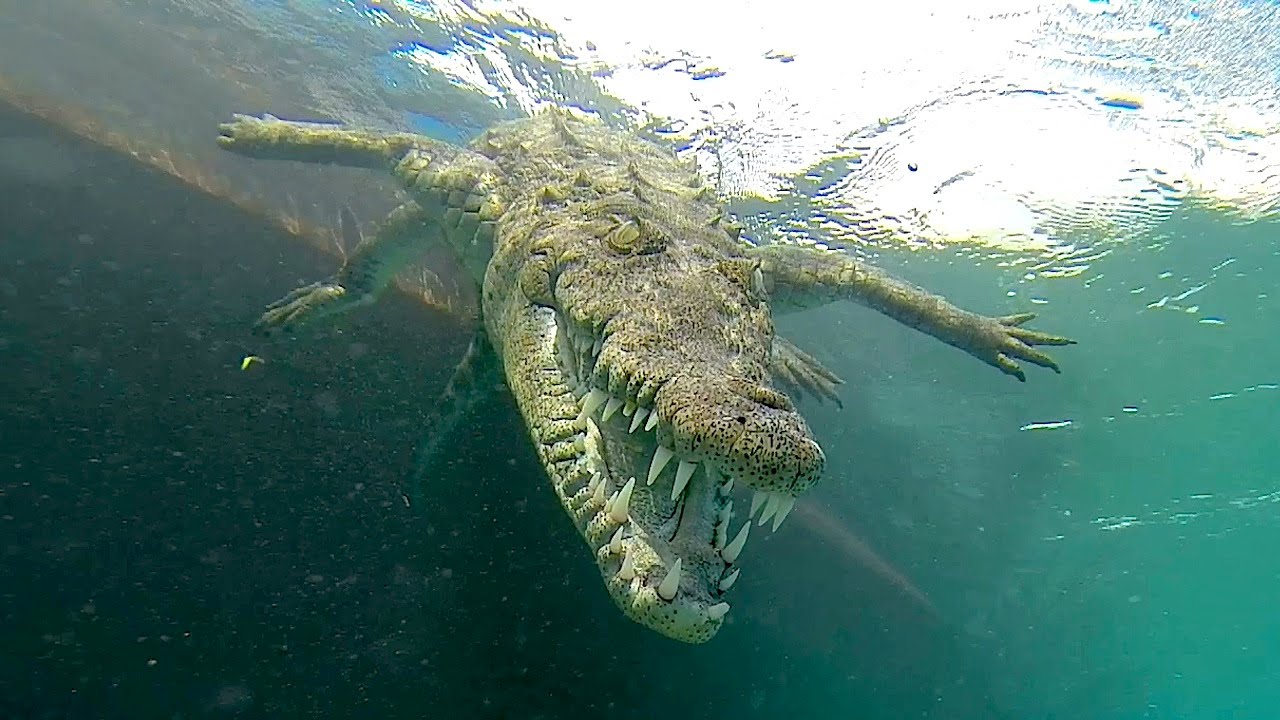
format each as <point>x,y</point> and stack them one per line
<point>658,508</point>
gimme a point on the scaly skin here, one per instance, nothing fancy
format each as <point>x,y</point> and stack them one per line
<point>633,328</point>
<point>798,277</point>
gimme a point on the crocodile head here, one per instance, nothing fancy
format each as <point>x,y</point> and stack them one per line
<point>662,333</point>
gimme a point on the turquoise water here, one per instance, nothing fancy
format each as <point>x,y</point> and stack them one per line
<point>1116,566</point>
<point>1095,544</point>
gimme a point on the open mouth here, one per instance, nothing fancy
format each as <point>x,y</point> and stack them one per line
<point>658,511</point>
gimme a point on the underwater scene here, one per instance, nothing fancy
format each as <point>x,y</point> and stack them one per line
<point>554,359</point>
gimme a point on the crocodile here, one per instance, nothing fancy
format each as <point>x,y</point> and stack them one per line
<point>634,326</point>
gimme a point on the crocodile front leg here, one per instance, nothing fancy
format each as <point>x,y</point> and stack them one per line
<point>270,138</point>
<point>401,238</point>
<point>458,188</point>
<point>798,277</point>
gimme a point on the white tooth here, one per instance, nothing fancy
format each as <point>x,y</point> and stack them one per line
<point>727,487</point>
<point>771,507</point>
<point>661,457</point>
<point>598,496</point>
<point>732,550</point>
<point>756,501</point>
<point>717,611</point>
<point>671,583</point>
<point>595,482</point>
<point>628,570</point>
<point>608,504</point>
<point>610,408</point>
<point>629,409</point>
<point>620,512</point>
<point>593,400</point>
<point>652,422</point>
<point>637,418</point>
<point>784,508</point>
<point>729,580</point>
<point>615,542</point>
<point>595,349</point>
<point>683,473</point>
<point>721,536</point>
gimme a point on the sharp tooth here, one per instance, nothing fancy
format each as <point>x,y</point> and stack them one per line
<point>595,482</point>
<point>661,457</point>
<point>671,583</point>
<point>608,504</point>
<point>756,501</point>
<point>771,507</point>
<point>652,422</point>
<point>717,611</point>
<point>683,473</point>
<point>620,512</point>
<point>731,551</point>
<point>598,496</point>
<point>593,400</point>
<point>615,542</point>
<point>784,508</point>
<point>637,418</point>
<point>629,409</point>
<point>628,570</point>
<point>727,487</point>
<point>729,580</point>
<point>721,536</point>
<point>610,408</point>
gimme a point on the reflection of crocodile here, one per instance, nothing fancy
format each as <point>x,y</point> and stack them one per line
<point>633,328</point>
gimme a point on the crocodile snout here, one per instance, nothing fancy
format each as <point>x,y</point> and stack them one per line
<point>742,429</point>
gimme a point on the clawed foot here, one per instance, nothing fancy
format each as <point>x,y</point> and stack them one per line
<point>245,132</point>
<point>801,371</point>
<point>302,306</point>
<point>998,341</point>
<point>269,137</point>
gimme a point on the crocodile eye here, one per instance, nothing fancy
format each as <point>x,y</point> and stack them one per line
<point>622,239</point>
<point>635,236</point>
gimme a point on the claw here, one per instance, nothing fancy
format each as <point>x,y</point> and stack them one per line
<point>1003,342</point>
<point>1035,337</point>
<point>1016,319</point>
<point>803,373</point>
<point>1009,367</point>
<point>305,303</point>
<point>1030,354</point>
